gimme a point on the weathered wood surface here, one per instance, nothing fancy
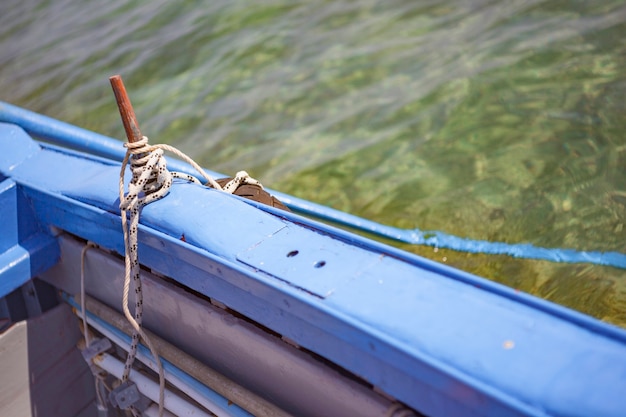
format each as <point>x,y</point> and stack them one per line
<point>41,371</point>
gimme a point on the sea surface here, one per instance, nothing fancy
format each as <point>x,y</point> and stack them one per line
<point>496,120</point>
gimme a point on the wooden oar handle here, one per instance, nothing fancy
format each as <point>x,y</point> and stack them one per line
<point>126,109</point>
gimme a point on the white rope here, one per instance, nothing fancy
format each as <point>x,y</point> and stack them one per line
<point>142,146</point>
<point>241,177</point>
<point>82,291</point>
<point>151,181</point>
<point>98,379</point>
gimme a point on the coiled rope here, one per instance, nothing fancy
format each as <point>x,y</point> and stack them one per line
<point>150,181</point>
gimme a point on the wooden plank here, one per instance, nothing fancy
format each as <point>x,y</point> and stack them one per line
<point>41,371</point>
<point>14,384</point>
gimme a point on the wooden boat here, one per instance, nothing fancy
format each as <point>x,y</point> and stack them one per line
<point>259,311</point>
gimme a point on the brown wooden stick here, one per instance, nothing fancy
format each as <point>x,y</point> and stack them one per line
<point>126,109</point>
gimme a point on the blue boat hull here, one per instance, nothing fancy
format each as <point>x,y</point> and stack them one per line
<point>389,326</point>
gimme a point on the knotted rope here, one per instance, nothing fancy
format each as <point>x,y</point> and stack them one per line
<point>151,181</point>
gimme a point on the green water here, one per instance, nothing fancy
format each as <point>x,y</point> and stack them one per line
<point>498,120</point>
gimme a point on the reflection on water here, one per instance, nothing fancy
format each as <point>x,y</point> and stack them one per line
<point>490,120</point>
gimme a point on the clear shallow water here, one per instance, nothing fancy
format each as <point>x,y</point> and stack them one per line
<point>498,120</point>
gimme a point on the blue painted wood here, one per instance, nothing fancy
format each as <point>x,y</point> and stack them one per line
<point>316,265</point>
<point>26,249</point>
<point>14,269</point>
<point>12,156</point>
<point>8,208</point>
<point>444,342</point>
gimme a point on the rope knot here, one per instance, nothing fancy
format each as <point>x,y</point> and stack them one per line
<point>151,180</point>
